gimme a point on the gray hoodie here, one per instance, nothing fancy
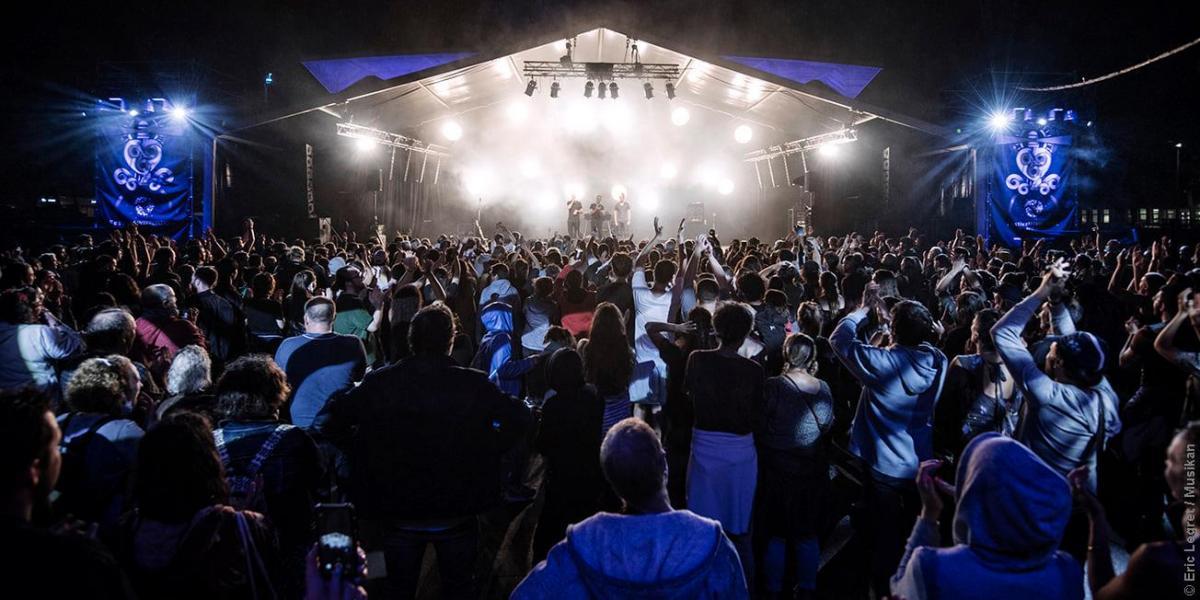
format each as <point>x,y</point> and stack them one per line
<point>678,554</point>
<point>1062,423</point>
<point>1012,510</point>
<point>893,426</point>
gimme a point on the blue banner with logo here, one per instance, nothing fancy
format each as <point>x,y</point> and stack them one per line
<point>144,173</point>
<point>1028,198</point>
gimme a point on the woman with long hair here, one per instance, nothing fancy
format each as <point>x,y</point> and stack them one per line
<point>608,362</point>
<point>303,286</point>
<point>577,303</point>
<point>183,541</point>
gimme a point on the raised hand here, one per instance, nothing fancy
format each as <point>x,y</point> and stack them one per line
<point>657,228</point>
<point>930,487</point>
<point>1055,279</point>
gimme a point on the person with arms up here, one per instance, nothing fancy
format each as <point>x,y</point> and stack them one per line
<point>893,426</point>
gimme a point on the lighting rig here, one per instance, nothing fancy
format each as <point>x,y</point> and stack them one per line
<point>396,141</point>
<point>601,74</point>
<point>825,143</point>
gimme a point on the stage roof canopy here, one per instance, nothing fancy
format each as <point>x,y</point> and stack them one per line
<point>413,94</point>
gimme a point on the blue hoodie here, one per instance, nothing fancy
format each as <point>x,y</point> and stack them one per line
<point>678,554</point>
<point>495,349</point>
<point>1012,510</point>
<point>893,426</point>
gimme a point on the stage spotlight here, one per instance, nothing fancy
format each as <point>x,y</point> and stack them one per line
<point>477,181</point>
<point>668,171</point>
<point>648,200</point>
<point>603,90</point>
<point>1042,122</point>
<point>587,89</point>
<point>554,87</point>
<point>364,144</point>
<point>452,130</point>
<point>517,111</point>
<point>999,121</point>
<point>612,90</point>
<point>829,150</point>
<point>133,112</point>
<point>530,88</point>
<point>725,187</point>
<point>680,116</point>
<point>649,90</point>
<point>743,133</point>
<point>1178,144</point>
<point>670,90</point>
<point>178,113</point>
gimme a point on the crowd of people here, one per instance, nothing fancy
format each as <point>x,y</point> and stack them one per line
<point>701,414</point>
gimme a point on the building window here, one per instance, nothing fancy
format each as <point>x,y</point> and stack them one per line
<point>1142,215</point>
<point>1106,215</point>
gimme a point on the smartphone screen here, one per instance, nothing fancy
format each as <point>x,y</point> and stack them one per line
<point>336,538</point>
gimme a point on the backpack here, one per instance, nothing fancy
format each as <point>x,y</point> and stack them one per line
<point>771,326</point>
<point>72,485</point>
<point>247,489</point>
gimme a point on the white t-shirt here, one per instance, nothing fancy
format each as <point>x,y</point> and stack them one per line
<point>648,307</point>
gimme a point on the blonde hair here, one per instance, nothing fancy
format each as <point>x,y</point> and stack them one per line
<point>100,385</point>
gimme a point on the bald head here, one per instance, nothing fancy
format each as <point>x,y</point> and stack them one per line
<point>158,296</point>
<point>634,462</point>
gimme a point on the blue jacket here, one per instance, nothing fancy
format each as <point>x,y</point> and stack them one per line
<point>893,426</point>
<point>1012,510</point>
<point>495,349</point>
<point>669,555</point>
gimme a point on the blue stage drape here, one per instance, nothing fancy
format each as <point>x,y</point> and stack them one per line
<point>1028,196</point>
<point>144,173</point>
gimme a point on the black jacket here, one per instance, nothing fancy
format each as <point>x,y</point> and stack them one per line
<point>424,439</point>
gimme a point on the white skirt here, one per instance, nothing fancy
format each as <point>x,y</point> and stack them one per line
<point>722,475</point>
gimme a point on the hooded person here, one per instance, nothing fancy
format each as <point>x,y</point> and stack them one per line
<point>892,430</point>
<point>1011,512</point>
<point>495,349</point>
<point>649,550</point>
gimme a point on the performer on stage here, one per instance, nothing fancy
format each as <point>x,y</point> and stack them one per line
<point>621,215</point>
<point>574,215</point>
<point>596,216</point>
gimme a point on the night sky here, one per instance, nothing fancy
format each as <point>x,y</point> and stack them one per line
<point>942,61</point>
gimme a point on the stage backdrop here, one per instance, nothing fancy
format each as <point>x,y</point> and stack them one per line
<point>144,173</point>
<point>1028,197</point>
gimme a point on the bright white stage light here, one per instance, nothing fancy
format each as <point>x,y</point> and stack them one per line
<point>530,168</point>
<point>725,187</point>
<point>477,181</point>
<point>830,150</point>
<point>648,200</point>
<point>709,173</point>
<point>668,171</point>
<point>133,112</point>
<point>452,131</point>
<point>1042,122</point>
<point>743,133</point>
<point>518,111</point>
<point>179,113</point>
<point>999,121</point>
<point>503,69</point>
<point>617,191</point>
<point>364,144</point>
<point>680,116</point>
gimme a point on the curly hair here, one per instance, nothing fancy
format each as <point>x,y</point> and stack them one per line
<point>100,385</point>
<point>252,387</point>
<point>733,322</point>
<point>19,305</point>
<point>607,357</point>
<point>191,371</point>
